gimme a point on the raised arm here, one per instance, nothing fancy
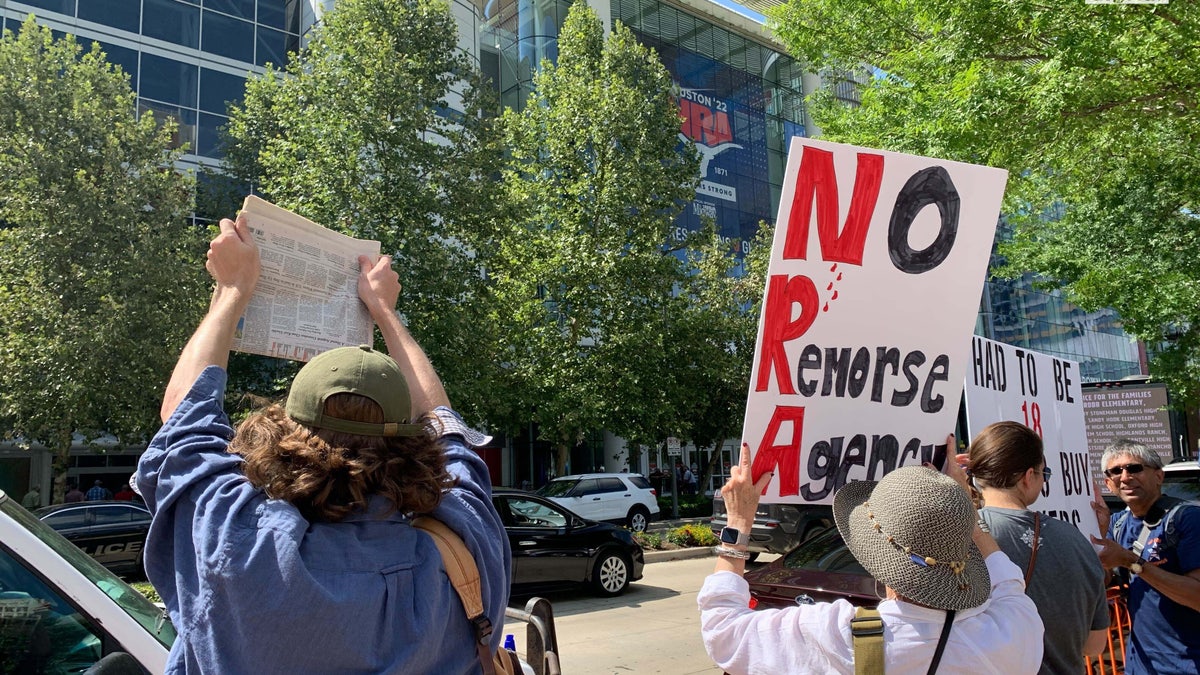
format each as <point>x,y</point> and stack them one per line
<point>378,288</point>
<point>234,265</point>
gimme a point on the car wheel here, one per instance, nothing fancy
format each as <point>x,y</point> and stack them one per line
<point>611,574</point>
<point>638,518</point>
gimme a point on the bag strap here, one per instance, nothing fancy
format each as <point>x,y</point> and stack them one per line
<point>464,575</point>
<point>1037,532</point>
<point>867,629</point>
<point>941,645</point>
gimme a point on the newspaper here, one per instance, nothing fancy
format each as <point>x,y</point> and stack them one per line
<point>306,301</point>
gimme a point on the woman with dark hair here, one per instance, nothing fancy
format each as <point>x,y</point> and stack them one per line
<point>1062,574</point>
<point>288,546</point>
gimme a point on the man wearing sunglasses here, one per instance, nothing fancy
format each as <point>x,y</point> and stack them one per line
<point>1155,543</point>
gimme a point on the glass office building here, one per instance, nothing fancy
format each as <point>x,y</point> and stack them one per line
<point>185,58</point>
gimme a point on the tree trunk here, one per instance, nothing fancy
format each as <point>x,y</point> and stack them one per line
<point>713,458</point>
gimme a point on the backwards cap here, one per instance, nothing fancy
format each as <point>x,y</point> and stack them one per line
<point>353,370</point>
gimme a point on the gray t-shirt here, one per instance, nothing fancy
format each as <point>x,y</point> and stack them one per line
<point>1067,584</point>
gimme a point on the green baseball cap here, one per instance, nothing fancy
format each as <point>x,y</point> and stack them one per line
<point>353,370</point>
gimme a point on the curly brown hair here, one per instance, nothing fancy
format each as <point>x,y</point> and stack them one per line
<point>328,474</point>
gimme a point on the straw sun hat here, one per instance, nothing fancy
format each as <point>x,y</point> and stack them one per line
<point>912,531</point>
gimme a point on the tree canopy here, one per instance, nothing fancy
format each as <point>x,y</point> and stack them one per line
<point>376,129</point>
<point>100,273</point>
<point>1093,110</point>
<point>582,277</point>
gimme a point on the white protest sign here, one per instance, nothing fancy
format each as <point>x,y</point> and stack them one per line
<point>1044,393</point>
<point>876,271</point>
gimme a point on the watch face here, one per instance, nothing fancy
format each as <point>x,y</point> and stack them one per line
<point>729,535</point>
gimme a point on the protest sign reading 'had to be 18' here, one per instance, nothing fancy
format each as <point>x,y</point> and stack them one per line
<point>876,271</point>
<point>1006,383</point>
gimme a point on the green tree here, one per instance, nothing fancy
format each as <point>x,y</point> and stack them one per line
<point>581,275</point>
<point>1092,108</point>
<point>377,129</point>
<point>720,327</point>
<point>100,274</point>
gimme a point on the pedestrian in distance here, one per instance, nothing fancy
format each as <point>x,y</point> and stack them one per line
<point>287,545</point>
<point>73,494</point>
<point>1007,465</point>
<point>954,602</point>
<point>125,494</point>
<point>98,492</point>
<point>1154,545</point>
<point>33,498</point>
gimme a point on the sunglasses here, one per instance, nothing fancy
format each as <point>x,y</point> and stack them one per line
<point>1131,469</point>
<point>1046,473</point>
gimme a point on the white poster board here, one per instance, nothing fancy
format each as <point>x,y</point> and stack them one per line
<point>1044,393</point>
<point>876,271</point>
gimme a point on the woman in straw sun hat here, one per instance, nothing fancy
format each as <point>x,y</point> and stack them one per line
<point>954,603</point>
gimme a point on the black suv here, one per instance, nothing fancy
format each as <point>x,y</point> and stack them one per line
<point>112,532</point>
<point>778,527</point>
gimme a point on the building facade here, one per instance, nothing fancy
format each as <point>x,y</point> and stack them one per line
<point>741,94</point>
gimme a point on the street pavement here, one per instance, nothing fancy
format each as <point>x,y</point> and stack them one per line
<point>654,627</point>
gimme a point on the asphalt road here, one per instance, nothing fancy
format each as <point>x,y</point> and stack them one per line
<point>654,627</point>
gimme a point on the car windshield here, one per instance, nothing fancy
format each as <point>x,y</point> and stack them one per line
<point>133,603</point>
<point>815,553</point>
<point>1182,484</point>
<point>557,488</point>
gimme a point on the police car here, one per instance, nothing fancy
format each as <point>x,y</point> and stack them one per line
<point>112,532</point>
<point>62,612</point>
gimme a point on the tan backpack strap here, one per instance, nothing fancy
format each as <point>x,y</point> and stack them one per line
<point>867,629</point>
<point>464,575</point>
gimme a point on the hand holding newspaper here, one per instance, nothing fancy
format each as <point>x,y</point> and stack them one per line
<point>306,301</point>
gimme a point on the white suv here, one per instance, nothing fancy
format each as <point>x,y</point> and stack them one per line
<point>623,498</point>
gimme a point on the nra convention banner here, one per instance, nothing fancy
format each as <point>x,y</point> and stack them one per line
<point>876,271</point>
<point>1006,383</point>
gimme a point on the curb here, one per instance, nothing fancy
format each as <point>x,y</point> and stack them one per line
<point>678,554</point>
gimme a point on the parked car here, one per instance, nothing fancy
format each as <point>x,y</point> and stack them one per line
<point>112,532</point>
<point>821,569</point>
<point>552,546</point>
<point>622,498</point>
<point>778,528</point>
<point>1181,479</point>
<point>62,612</point>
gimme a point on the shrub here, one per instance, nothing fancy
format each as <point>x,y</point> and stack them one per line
<point>146,589</point>
<point>648,540</point>
<point>690,506</point>
<point>694,534</point>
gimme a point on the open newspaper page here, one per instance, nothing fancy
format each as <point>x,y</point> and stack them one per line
<point>306,301</point>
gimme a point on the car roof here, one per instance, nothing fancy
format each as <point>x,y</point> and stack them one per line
<point>579,476</point>
<point>47,510</point>
<point>1183,466</point>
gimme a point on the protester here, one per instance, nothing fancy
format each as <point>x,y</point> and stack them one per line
<point>74,494</point>
<point>33,498</point>
<point>1155,544</point>
<point>1008,466</point>
<point>950,591</point>
<point>98,492</point>
<point>287,546</point>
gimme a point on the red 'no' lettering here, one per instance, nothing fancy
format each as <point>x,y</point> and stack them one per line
<point>817,180</point>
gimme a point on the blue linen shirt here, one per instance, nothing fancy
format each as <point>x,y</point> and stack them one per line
<point>254,587</point>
